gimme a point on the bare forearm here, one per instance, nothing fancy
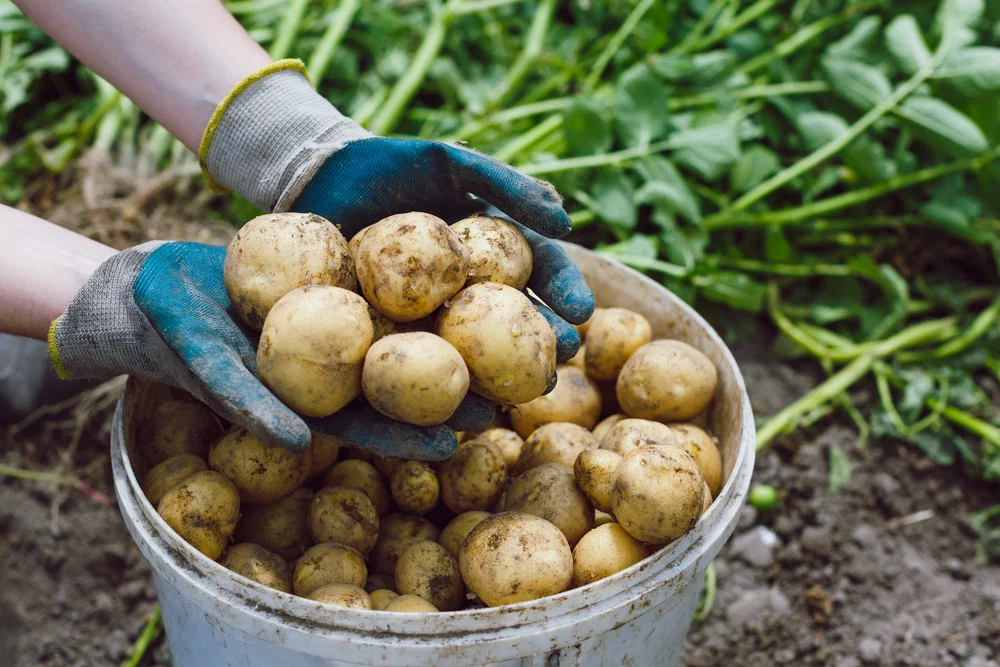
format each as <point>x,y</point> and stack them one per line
<point>42,266</point>
<point>176,60</point>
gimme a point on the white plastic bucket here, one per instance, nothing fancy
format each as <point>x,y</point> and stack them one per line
<point>637,618</point>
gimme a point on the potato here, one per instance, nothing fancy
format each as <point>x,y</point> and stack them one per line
<point>614,334</point>
<point>355,242</point>
<point>584,329</point>
<point>605,424</point>
<point>458,529</point>
<point>508,346</point>
<point>165,476</point>
<point>498,251</point>
<point>577,360</point>
<point>427,570</point>
<point>342,595</point>
<point>603,551</point>
<point>376,581</point>
<point>549,491</point>
<point>325,449</point>
<point>258,564</point>
<point>276,253</point>
<point>409,264</point>
<point>344,515</point>
<point>398,531</point>
<point>704,448</point>
<point>512,557</point>
<point>261,473</point>
<point>657,494</point>
<point>384,465</point>
<point>411,604</point>
<point>328,563</point>
<point>361,475</point>
<point>576,400</point>
<point>630,434</point>
<point>508,442</point>
<point>555,443</point>
<point>708,499</point>
<point>178,427</point>
<point>281,526</point>
<point>381,598</point>
<point>593,471</point>
<point>312,348</point>
<point>417,378</point>
<point>203,510</point>
<point>415,487</point>
<point>666,380</point>
<point>474,477</point>
<point>601,518</point>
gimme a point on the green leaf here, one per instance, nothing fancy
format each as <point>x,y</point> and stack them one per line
<point>906,43</point>
<point>860,85</point>
<point>856,42</point>
<point>709,150</point>
<point>614,196</point>
<point>776,245</point>
<point>841,469</point>
<point>864,156</point>
<point>637,245</point>
<point>666,188</point>
<point>943,124</point>
<point>973,72</point>
<point>737,290</point>
<point>641,110</point>
<point>755,165</point>
<point>965,13</point>
<point>703,68</point>
<point>585,129</point>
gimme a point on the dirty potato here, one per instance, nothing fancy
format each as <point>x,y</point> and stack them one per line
<point>593,470</point>
<point>555,443</point>
<point>474,477</point>
<point>258,564</point>
<point>603,551</point>
<point>614,334</point>
<point>328,563</point>
<point>630,434</point>
<point>342,595</point>
<point>508,442</point>
<point>381,597</point>
<point>575,399</point>
<point>499,253</point>
<point>549,491</point>
<point>178,427</point>
<point>415,487</point>
<point>261,473</point>
<point>203,510</point>
<point>413,604</point>
<point>666,380</point>
<point>361,475</point>
<point>281,526</point>
<point>605,424</point>
<point>165,476</point>
<point>458,529</point>
<point>344,515</point>
<point>705,450</point>
<point>398,531</point>
<point>427,570</point>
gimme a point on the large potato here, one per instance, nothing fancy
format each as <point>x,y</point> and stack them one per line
<point>508,346</point>
<point>278,252</point>
<point>325,449</point>
<point>499,253</point>
<point>575,399</point>
<point>512,557</point>
<point>630,434</point>
<point>458,529</point>
<point>427,570</point>
<point>258,564</point>
<point>613,335</point>
<point>203,510</point>
<point>605,425</point>
<point>178,427</point>
<point>603,551</point>
<point>344,515</point>
<point>666,380</point>
<point>342,595</point>
<point>361,475</point>
<point>555,443</point>
<point>415,487</point>
<point>398,531</point>
<point>657,494</point>
<point>409,264</point>
<point>474,477</point>
<point>594,469</point>
<point>705,450</point>
<point>281,526</point>
<point>549,491</point>
<point>328,563</point>
<point>261,473</point>
<point>417,378</point>
<point>165,476</point>
<point>508,442</point>
<point>312,348</point>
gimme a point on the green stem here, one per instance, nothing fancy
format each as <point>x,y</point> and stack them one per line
<point>852,411</point>
<point>750,92</point>
<point>791,44</point>
<point>707,598</point>
<point>149,634</point>
<point>582,218</point>
<point>959,417</point>
<point>590,161</point>
<point>778,269</point>
<point>647,263</point>
<point>288,29</point>
<point>750,14</point>
<point>992,365</point>
<point>472,128</point>
<point>473,6</point>
<point>983,323</point>
<point>687,44</point>
<point>515,147</point>
<point>532,48</point>
<point>616,42</point>
<point>321,56</point>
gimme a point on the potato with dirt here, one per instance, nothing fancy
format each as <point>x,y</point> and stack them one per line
<point>258,564</point>
<point>178,427</point>
<point>361,475</point>
<point>203,510</point>
<point>630,434</point>
<point>165,476</point>
<point>555,443</point>
<point>312,348</point>
<point>427,570</point>
<point>507,441</point>
<point>550,491</point>
<point>412,604</point>
<point>417,378</point>
<point>474,477</point>
<point>593,470</point>
<point>576,399</point>
<point>342,595</point>
<point>612,336</point>
<point>705,450</point>
<point>276,253</point>
<point>281,526</point>
<point>508,346</point>
<point>262,474</point>
<point>657,493</point>
<point>325,450</point>
<point>381,597</point>
<point>667,381</point>
<point>513,557</point>
<point>604,551</point>
<point>415,487</point>
<point>498,251</point>
<point>344,515</point>
<point>409,264</point>
<point>328,563</point>
<point>458,529</point>
<point>605,425</point>
<point>396,532</point>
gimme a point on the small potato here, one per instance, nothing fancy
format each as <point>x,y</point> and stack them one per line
<point>278,252</point>
<point>605,424</point>
<point>499,253</point>
<point>312,348</point>
<point>593,470</point>
<point>705,450</point>
<point>398,531</point>
<point>203,510</point>
<point>361,475</point>
<point>576,400</point>
<point>474,477</point>
<point>281,526</point>
<point>509,443</point>
<point>601,518</point>
<point>261,473</point>
<point>417,378</point>
<point>411,604</point>
<point>178,427</point>
<point>512,557</point>
<point>342,595</point>
<point>549,491</point>
<point>381,598</point>
<point>165,476</point>
<point>344,515</point>
<point>666,380</point>
<point>427,570</point>
<point>458,529</point>
<point>555,443</point>
<point>630,434</point>
<point>614,334</point>
<point>328,563</point>
<point>658,493</point>
<point>603,551</point>
<point>415,487</point>
<point>325,449</point>
<point>409,264</point>
<point>258,564</point>
<point>376,581</point>
<point>508,346</point>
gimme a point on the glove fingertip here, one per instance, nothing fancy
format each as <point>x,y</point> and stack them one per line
<point>474,413</point>
<point>286,431</point>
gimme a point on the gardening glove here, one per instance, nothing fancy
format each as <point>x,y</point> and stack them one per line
<point>160,311</point>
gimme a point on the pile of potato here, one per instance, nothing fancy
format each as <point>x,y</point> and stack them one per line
<point>562,490</point>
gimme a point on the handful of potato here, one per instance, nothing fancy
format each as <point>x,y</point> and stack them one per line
<point>561,491</point>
